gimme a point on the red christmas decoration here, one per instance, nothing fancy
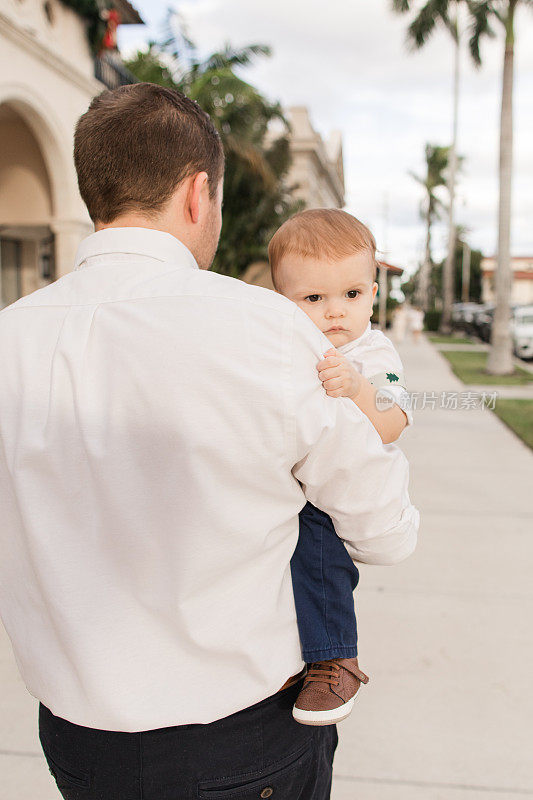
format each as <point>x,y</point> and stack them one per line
<point>112,17</point>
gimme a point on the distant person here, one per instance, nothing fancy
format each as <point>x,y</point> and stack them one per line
<point>399,323</point>
<point>324,261</point>
<point>416,322</point>
<point>162,426</point>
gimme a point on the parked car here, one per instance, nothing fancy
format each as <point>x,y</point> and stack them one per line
<point>484,320</point>
<point>476,318</point>
<point>522,329</point>
<point>462,314</point>
<point>483,323</point>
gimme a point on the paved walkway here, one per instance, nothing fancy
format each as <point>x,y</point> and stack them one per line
<point>504,392</point>
<point>476,347</point>
<point>446,636</point>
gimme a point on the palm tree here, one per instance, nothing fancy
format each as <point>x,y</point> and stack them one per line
<point>500,360</point>
<point>444,13</point>
<point>256,199</point>
<point>174,61</point>
<point>436,164</point>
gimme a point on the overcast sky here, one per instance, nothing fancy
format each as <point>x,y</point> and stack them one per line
<point>347,61</point>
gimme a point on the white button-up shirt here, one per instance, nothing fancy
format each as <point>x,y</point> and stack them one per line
<point>375,357</point>
<point>161,427</point>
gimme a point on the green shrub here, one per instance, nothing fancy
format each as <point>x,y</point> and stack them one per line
<point>432,320</point>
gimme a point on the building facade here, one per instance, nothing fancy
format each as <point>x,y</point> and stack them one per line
<point>47,80</point>
<point>317,169</point>
<point>316,176</point>
<point>522,283</point>
<point>317,173</point>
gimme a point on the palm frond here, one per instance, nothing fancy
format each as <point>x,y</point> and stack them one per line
<point>229,57</point>
<point>442,10</point>
<point>452,26</point>
<point>436,158</point>
<point>254,158</point>
<point>401,6</point>
<point>499,15</point>
<point>425,22</point>
<point>480,14</point>
<point>439,207</point>
<point>417,178</point>
<point>176,40</point>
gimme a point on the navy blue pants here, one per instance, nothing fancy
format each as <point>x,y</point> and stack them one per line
<point>323,578</point>
<point>258,752</point>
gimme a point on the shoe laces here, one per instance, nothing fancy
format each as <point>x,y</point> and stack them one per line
<point>324,671</point>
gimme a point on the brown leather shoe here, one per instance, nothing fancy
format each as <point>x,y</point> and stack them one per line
<point>329,691</point>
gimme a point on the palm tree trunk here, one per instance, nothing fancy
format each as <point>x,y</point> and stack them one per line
<point>422,295</point>
<point>500,360</point>
<point>449,265</point>
<point>383,272</point>
<point>383,291</point>
<point>465,282</point>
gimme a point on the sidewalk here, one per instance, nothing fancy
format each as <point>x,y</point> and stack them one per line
<point>446,636</point>
<point>23,771</point>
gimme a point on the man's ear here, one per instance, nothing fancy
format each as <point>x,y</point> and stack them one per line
<point>197,193</point>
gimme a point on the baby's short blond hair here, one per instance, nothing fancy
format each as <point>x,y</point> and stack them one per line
<point>327,233</point>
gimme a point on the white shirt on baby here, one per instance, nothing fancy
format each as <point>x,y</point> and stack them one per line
<point>375,357</point>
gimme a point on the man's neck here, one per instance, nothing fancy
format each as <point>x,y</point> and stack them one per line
<point>140,221</point>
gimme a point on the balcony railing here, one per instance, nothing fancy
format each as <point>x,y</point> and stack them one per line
<point>111,72</point>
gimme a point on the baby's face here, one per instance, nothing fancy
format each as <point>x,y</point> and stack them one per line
<point>337,295</point>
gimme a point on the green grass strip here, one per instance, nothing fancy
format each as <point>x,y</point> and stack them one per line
<point>518,415</point>
<point>469,366</point>
<point>450,340</point>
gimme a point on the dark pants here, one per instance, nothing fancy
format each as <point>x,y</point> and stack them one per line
<point>323,578</point>
<point>256,753</point>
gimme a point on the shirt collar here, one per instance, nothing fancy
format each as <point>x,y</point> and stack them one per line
<point>345,348</point>
<point>157,245</point>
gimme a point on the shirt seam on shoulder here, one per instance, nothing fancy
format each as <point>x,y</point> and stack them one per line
<point>288,312</point>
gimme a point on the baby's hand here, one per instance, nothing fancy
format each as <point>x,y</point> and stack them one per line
<point>339,377</point>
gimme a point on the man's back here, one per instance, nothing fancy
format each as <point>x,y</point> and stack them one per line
<point>147,490</point>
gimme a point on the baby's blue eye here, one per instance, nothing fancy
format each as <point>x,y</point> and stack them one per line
<point>353,293</point>
<point>313,298</point>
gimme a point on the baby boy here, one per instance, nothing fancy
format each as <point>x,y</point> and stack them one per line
<point>324,261</point>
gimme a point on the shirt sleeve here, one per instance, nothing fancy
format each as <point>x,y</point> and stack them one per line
<point>342,464</point>
<point>399,395</point>
<point>383,367</point>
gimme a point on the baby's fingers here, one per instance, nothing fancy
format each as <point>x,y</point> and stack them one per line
<point>330,361</point>
<point>330,372</point>
<point>332,384</point>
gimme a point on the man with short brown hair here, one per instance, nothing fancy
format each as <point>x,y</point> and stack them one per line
<point>161,428</point>
<point>128,172</point>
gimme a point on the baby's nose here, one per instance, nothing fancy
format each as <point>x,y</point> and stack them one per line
<point>335,310</point>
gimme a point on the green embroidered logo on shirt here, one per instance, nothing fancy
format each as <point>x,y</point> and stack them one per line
<point>392,377</point>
